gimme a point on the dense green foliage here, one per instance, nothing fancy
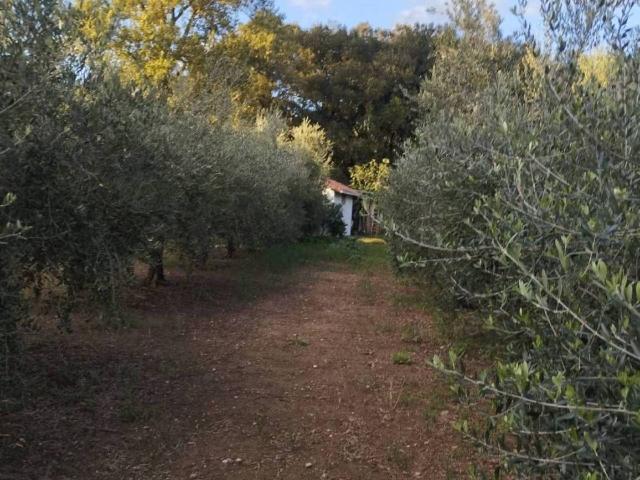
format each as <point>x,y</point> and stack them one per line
<point>372,176</point>
<point>95,173</point>
<point>358,84</point>
<point>359,87</point>
<point>520,194</point>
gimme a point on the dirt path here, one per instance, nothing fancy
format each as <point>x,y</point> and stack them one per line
<point>239,381</point>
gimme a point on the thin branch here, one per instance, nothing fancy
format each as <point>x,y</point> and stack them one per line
<point>542,403</point>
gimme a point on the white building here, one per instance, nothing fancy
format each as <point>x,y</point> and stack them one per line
<point>345,197</point>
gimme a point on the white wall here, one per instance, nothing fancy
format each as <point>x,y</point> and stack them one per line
<point>347,211</point>
<point>346,204</point>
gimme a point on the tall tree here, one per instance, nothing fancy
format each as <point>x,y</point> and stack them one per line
<point>266,52</point>
<point>357,84</point>
<point>153,40</point>
<point>360,87</point>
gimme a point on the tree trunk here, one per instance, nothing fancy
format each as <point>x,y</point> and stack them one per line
<point>155,273</point>
<point>231,248</point>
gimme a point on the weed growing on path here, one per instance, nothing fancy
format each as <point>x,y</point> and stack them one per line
<point>402,358</point>
<point>413,333</point>
<point>298,342</point>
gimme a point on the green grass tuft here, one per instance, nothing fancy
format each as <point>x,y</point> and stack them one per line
<point>298,342</point>
<point>402,358</point>
<point>413,333</point>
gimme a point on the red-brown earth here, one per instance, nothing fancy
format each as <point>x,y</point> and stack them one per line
<point>240,373</point>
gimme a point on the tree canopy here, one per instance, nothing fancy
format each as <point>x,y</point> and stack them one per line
<point>360,87</point>
<point>357,84</point>
<point>99,169</point>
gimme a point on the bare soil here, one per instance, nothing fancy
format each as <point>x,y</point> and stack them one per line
<point>236,375</point>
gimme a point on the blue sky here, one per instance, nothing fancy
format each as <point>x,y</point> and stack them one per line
<point>381,13</point>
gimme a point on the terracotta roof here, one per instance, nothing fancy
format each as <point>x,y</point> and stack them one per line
<point>343,189</point>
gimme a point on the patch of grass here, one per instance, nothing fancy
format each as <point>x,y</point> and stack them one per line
<point>402,358</point>
<point>298,342</point>
<point>430,402</point>
<point>385,327</point>
<point>246,286</point>
<point>172,257</point>
<point>376,253</point>
<point>454,324</point>
<point>438,400</point>
<point>408,399</point>
<point>119,319</point>
<point>413,333</point>
<point>130,411</point>
<point>415,296</point>
<point>366,289</point>
<point>357,253</point>
<point>290,442</point>
<point>261,423</point>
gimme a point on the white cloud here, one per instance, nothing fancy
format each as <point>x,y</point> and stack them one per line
<point>433,11</point>
<point>310,4</point>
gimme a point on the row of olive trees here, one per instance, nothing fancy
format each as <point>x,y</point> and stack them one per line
<point>95,173</point>
<point>521,194</point>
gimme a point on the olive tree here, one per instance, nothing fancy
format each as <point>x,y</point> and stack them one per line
<point>96,173</point>
<point>522,198</point>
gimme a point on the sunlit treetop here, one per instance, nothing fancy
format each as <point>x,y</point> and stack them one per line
<point>599,66</point>
<point>151,40</point>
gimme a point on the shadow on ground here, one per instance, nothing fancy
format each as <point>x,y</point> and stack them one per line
<point>280,365</point>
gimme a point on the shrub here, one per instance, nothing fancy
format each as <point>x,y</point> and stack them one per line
<point>332,222</point>
<point>519,194</point>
